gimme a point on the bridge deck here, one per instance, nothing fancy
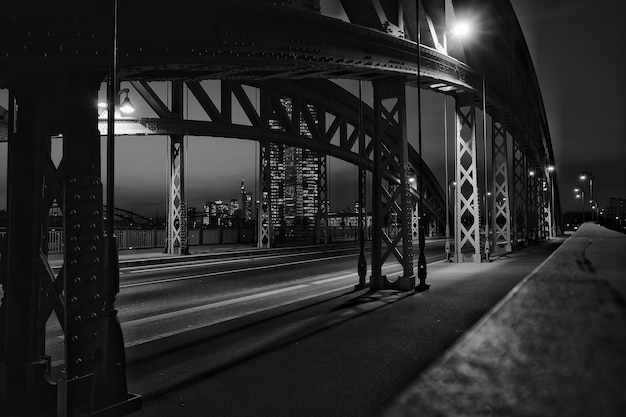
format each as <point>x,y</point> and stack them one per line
<point>346,353</point>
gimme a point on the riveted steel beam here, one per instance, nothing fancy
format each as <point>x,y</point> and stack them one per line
<point>467,212</point>
<point>501,218</point>
<point>520,197</point>
<point>391,201</point>
<point>177,202</point>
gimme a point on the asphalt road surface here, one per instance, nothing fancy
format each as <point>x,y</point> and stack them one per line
<point>161,301</point>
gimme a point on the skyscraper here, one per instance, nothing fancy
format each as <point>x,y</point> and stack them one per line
<point>294,179</point>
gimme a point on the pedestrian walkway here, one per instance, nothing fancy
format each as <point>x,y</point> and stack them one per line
<point>555,346</point>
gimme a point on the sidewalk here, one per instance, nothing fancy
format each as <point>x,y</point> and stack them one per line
<point>555,346</point>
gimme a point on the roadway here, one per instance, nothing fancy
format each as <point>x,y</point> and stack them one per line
<point>163,300</point>
<point>286,334</point>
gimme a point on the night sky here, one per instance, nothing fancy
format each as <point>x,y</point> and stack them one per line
<point>577,48</point>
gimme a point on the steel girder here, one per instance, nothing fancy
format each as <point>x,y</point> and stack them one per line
<point>253,40</point>
<point>32,291</point>
<point>501,219</point>
<point>176,201</point>
<point>337,137</point>
<point>264,222</point>
<point>391,201</point>
<point>520,197</point>
<point>467,212</point>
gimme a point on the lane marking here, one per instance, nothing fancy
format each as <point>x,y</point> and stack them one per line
<point>233,271</point>
<point>192,264</point>
<point>205,307</point>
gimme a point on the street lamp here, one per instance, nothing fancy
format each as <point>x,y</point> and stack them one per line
<point>581,194</point>
<point>589,176</point>
<point>124,106</point>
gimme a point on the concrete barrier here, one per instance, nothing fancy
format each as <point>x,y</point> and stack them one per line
<point>555,346</point>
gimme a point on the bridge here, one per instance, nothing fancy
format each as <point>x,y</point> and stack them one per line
<point>54,58</point>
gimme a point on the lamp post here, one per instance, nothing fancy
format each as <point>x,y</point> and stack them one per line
<point>589,176</point>
<point>445,144</point>
<point>421,262</point>
<point>581,194</point>
<point>451,186</point>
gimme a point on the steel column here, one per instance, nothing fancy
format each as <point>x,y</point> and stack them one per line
<point>519,196</point>
<point>533,203</point>
<point>177,203</point>
<point>84,248</point>
<point>24,385</point>
<point>264,220</point>
<point>415,219</point>
<point>265,237</point>
<point>467,213</point>
<point>548,206</point>
<point>391,157</point>
<point>322,233</point>
<point>501,209</point>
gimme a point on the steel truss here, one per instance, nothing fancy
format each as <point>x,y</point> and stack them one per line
<point>548,205</point>
<point>284,117</point>
<point>467,212</point>
<point>391,198</point>
<point>520,196</point>
<point>501,209</point>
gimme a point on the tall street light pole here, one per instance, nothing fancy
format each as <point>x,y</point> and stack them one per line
<point>445,147</point>
<point>109,388</point>
<point>421,262</point>
<point>589,176</point>
<point>487,248</point>
<point>581,195</point>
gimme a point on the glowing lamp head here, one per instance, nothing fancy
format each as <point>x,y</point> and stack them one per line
<point>127,107</point>
<point>462,30</point>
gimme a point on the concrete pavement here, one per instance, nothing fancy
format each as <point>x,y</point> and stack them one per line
<point>555,346</point>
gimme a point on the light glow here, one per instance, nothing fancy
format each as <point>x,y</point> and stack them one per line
<point>462,30</point>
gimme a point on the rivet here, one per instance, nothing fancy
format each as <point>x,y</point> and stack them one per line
<point>96,296</point>
<point>73,300</point>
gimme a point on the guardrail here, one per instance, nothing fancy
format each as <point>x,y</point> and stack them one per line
<point>156,238</point>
